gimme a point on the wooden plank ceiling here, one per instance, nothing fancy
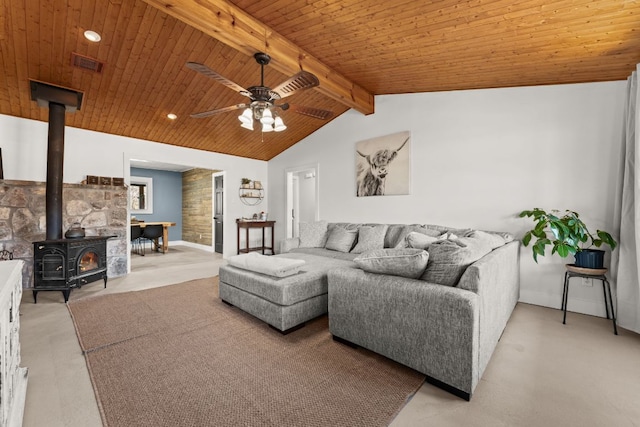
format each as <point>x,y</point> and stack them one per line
<point>377,47</point>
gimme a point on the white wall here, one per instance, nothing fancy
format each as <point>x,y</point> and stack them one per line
<point>480,157</point>
<point>307,199</point>
<point>24,152</point>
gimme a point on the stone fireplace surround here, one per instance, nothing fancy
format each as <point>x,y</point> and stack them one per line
<point>100,209</point>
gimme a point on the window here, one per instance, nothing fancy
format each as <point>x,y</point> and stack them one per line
<point>141,195</point>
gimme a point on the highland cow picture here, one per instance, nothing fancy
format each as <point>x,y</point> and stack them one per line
<point>383,165</point>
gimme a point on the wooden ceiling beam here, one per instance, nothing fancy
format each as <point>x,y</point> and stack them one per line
<point>239,30</point>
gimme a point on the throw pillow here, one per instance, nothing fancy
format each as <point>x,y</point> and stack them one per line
<point>395,234</point>
<point>461,232</point>
<point>270,265</point>
<point>397,262</point>
<point>493,239</point>
<point>422,241</point>
<point>340,239</point>
<point>448,259</point>
<point>313,234</point>
<point>415,228</point>
<point>370,238</point>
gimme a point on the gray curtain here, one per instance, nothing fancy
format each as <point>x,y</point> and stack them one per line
<point>628,273</point>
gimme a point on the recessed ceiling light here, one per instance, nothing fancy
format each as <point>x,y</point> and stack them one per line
<point>172,116</point>
<point>92,36</point>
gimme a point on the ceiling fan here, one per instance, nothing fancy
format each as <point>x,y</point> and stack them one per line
<point>263,107</point>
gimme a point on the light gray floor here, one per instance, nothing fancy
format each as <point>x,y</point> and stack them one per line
<point>543,373</point>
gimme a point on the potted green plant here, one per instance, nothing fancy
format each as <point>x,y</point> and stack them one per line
<point>567,234</point>
<point>245,182</point>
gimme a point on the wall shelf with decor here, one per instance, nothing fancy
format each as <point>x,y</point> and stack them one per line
<point>251,193</point>
<point>251,196</point>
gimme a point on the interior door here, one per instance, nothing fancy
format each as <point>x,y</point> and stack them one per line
<point>296,206</point>
<point>302,197</point>
<point>218,212</point>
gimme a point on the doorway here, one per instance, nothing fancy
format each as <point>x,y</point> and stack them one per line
<point>196,229</point>
<point>218,212</point>
<point>302,197</point>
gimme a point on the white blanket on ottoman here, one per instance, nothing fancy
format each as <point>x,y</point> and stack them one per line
<point>269,265</point>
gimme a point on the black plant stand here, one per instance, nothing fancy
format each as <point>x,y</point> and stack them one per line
<point>597,274</point>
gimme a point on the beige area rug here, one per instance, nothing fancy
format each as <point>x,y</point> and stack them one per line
<point>178,356</point>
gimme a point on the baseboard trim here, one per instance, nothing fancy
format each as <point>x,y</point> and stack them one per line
<point>191,245</point>
<point>577,302</point>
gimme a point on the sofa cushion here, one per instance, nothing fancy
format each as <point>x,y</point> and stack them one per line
<point>406,262</point>
<point>448,259</point>
<point>323,252</point>
<point>313,234</point>
<point>341,239</point>
<point>370,238</point>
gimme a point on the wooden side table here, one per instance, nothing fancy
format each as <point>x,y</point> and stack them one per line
<point>589,273</point>
<point>247,225</point>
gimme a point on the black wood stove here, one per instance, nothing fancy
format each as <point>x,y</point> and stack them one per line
<point>64,264</point>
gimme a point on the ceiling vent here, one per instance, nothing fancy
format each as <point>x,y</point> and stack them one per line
<point>86,63</point>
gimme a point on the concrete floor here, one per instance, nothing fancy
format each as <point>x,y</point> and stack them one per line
<point>543,373</point>
<point>59,391</point>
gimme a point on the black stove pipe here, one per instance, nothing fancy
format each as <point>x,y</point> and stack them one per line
<point>55,165</point>
<point>59,100</point>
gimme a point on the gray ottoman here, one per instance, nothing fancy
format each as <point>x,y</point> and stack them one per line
<point>285,303</point>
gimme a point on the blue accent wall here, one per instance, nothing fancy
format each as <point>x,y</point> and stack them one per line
<point>167,199</point>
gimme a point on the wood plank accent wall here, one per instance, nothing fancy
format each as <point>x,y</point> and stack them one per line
<point>197,213</point>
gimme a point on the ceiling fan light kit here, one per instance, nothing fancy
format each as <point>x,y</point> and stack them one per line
<point>246,117</point>
<point>263,107</point>
<point>278,125</point>
<point>267,117</point>
<point>263,114</point>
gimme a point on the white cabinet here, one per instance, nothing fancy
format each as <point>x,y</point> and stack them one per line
<point>13,378</point>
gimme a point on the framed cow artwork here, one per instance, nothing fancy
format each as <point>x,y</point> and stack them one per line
<point>383,165</point>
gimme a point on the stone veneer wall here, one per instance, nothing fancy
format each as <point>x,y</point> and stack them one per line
<point>101,210</point>
<point>197,214</point>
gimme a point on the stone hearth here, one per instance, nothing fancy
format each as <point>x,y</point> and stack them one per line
<point>101,210</point>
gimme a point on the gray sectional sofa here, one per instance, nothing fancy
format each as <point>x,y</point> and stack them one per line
<point>433,298</point>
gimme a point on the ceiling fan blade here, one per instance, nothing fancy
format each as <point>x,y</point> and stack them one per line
<point>302,80</point>
<point>218,111</point>
<point>203,69</point>
<point>312,112</point>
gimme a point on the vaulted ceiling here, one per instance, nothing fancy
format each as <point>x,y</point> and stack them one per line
<point>356,48</point>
